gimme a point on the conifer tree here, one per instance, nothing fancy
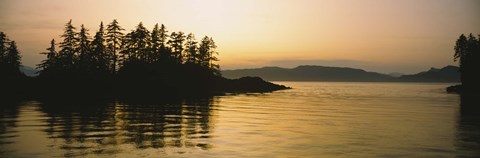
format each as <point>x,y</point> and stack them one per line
<point>13,57</point>
<point>207,55</point>
<point>67,53</point>
<point>85,55</point>
<point>102,58</point>
<point>51,62</point>
<point>9,57</point>
<point>176,45</point>
<point>142,42</point>
<point>114,37</point>
<point>163,37</point>
<point>3,47</point>
<point>460,50</point>
<point>467,52</point>
<point>128,46</point>
<point>191,49</point>
<point>136,45</point>
<point>155,44</point>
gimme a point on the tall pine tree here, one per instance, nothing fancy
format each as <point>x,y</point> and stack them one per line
<point>13,58</point>
<point>9,57</point>
<point>142,42</point>
<point>155,44</point>
<point>3,47</point>
<point>103,62</point>
<point>86,61</point>
<point>51,63</point>
<point>136,45</point>
<point>67,53</point>
<point>163,37</point>
<point>207,54</point>
<point>467,52</point>
<point>114,37</point>
<point>176,43</point>
<point>191,49</point>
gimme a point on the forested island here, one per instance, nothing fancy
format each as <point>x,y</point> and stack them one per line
<point>140,63</point>
<point>467,53</point>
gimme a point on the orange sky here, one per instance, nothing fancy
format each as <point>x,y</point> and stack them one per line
<point>377,35</point>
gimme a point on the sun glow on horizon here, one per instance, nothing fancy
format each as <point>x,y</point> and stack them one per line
<point>404,36</point>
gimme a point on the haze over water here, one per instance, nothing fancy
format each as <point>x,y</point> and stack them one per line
<point>315,119</point>
<point>385,36</point>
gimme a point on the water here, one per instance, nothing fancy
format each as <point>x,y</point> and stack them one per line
<point>315,119</point>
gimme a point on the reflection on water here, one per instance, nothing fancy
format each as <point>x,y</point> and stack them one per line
<point>65,129</point>
<point>8,121</point>
<point>312,120</point>
<point>468,133</point>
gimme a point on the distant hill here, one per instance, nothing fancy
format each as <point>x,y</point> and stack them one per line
<point>446,74</point>
<point>309,73</point>
<point>343,74</point>
<point>28,71</point>
<point>395,74</point>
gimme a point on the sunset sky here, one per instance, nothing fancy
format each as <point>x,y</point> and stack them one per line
<point>377,35</point>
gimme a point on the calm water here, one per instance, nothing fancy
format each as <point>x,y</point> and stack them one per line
<point>314,119</point>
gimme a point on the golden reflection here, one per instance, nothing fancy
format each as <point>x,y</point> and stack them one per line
<point>113,128</point>
<point>315,118</point>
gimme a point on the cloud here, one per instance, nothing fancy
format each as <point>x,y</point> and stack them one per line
<point>32,24</point>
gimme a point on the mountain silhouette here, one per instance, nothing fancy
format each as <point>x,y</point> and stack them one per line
<point>395,74</point>
<point>446,74</point>
<point>343,74</point>
<point>309,73</point>
<point>29,71</point>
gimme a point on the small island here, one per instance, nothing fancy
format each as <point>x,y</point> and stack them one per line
<point>111,64</point>
<point>467,53</point>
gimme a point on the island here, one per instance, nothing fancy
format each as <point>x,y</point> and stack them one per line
<point>111,64</point>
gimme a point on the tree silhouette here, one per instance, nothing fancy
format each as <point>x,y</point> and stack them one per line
<point>207,55</point>
<point>461,53</point>
<point>163,35</point>
<point>85,55</point>
<point>191,49</point>
<point>142,42</point>
<point>49,64</point>
<point>155,45</point>
<point>110,65</point>
<point>176,45</point>
<point>3,47</point>
<point>137,46</point>
<point>13,59</point>
<point>114,37</point>
<point>9,58</point>
<point>13,83</point>
<point>103,60</point>
<point>68,47</point>
<point>467,53</point>
<point>137,61</point>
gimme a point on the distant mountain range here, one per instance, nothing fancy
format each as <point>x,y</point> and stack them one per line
<point>29,71</point>
<point>343,74</point>
<point>395,74</point>
<point>325,73</point>
<point>445,74</point>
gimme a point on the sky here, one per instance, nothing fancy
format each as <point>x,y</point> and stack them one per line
<point>404,36</point>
